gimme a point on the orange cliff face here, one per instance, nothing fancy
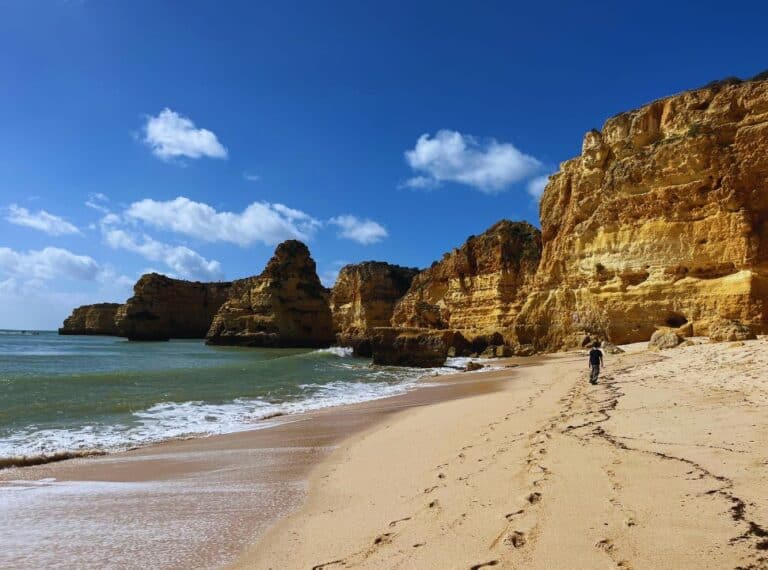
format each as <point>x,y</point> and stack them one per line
<point>98,319</point>
<point>163,308</point>
<point>364,297</point>
<point>477,289</point>
<point>660,222</point>
<point>285,306</point>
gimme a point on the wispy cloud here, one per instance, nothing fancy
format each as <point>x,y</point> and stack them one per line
<point>536,186</point>
<point>250,177</point>
<point>171,135</point>
<point>97,201</point>
<point>182,260</point>
<point>328,276</point>
<point>362,231</point>
<point>259,222</point>
<point>449,156</point>
<point>40,220</point>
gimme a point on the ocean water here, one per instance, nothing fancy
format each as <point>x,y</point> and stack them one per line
<point>82,393</point>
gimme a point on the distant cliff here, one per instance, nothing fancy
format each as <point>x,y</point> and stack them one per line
<point>163,308</point>
<point>477,289</point>
<point>364,297</point>
<point>98,319</point>
<point>285,306</point>
<point>660,221</point>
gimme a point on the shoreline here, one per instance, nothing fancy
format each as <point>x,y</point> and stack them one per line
<point>263,471</point>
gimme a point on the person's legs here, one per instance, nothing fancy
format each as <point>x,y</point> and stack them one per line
<point>594,374</point>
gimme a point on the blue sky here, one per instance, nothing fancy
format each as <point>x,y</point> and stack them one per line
<point>191,137</point>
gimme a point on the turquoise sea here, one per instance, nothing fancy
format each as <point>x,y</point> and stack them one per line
<point>78,393</point>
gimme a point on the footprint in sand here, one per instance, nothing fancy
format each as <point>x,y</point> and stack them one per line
<point>515,539</point>
<point>534,498</point>
<point>510,516</point>
<point>483,565</point>
<point>385,538</point>
<point>393,523</point>
<point>605,544</point>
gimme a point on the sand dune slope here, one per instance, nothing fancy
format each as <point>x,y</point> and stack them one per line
<point>662,465</point>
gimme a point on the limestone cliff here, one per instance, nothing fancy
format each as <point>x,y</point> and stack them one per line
<point>162,308</point>
<point>364,297</point>
<point>285,306</point>
<point>477,289</point>
<point>98,319</point>
<point>661,221</point>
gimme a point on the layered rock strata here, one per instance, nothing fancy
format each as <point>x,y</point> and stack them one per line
<point>661,221</point>
<point>98,319</point>
<point>477,289</point>
<point>285,306</point>
<point>363,298</point>
<point>163,308</point>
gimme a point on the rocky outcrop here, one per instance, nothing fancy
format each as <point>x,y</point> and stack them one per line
<point>477,289</point>
<point>664,338</point>
<point>723,330</point>
<point>98,319</point>
<point>285,306</point>
<point>363,298</point>
<point>163,308</point>
<point>417,347</point>
<point>662,221</point>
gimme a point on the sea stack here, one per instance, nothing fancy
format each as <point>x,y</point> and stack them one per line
<point>659,222</point>
<point>98,319</point>
<point>364,298</point>
<point>285,306</point>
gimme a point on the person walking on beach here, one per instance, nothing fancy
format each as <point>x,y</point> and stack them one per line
<point>595,362</point>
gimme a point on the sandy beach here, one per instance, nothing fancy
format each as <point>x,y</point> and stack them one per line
<point>193,503</point>
<point>663,464</point>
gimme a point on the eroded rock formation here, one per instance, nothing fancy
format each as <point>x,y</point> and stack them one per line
<point>363,298</point>
<point>477,289</point>
<point>98,319</point>
<point>163,308</point>
<point>285,306</point>
<point>418,347</point>
<point>661,221</point>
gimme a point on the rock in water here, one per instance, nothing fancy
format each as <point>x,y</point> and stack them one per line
<point>98,319</point>
<point>285,306</point>
<point>418,347</point>
<point>659,222</point>
<point>477,289</point>
<point>163,308</point>
<point>363,298</point>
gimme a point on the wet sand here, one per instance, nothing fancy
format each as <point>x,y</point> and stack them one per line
<point>185,504</point>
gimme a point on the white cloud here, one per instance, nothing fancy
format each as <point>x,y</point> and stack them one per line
<point>450,156</point>
<point>48,263</point>
<point>97,202</point>
<point>40,220</point>
<point>259,222</point>
<point>421,183</point>
<point>184,261</point>
<point>362,231</point>
<point>251,177</point>
<point>536,186</point>
<point>171,135</point>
